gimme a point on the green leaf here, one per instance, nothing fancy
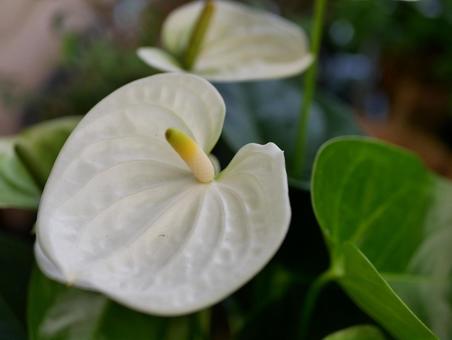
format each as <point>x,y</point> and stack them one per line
<point>261,112</point>
<point>17,187</point>
<point>26,161</point>
<point>360,332</point>
<point>388,225</point>
<point>373,294</point>
<point>58,312</point>
<point>38,146</point>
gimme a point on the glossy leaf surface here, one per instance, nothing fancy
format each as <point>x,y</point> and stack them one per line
<point>388,225</point>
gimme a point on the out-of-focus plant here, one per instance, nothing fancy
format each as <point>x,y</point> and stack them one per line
<point>255,116</point>
<point>357,333</point>
<point>90,70</point>
<point>227,41</point>
<point>415,35</point>
<point>26,161</point>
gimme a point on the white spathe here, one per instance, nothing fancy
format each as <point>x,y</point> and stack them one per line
<point>241,43</point>
<point>122,213</point>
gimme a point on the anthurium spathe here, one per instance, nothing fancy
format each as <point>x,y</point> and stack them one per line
<point>236,43</point>
<point>134,208</point>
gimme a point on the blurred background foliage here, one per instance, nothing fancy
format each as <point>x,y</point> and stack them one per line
<point>385,68</point>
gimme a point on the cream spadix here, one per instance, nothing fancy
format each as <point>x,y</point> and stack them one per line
<point>123,214</point>
<point>237,43</point>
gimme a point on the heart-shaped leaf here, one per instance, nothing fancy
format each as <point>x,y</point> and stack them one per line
<point>123,214</point>
<point>388,225</point>
<point>241,43</point>
<point>57,312</point>
<point>361,332</point>
<point>261,112</point>
<point>26,160</point>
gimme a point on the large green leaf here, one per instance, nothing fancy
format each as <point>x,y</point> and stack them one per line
<point>388,225</point>
<point>361,332</point>
<point>26,161</point>
<point>261,112</point>
<point>57,312</point>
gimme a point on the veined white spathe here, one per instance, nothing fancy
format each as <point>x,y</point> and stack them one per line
<point>241,43</point>
<point>123,214</point>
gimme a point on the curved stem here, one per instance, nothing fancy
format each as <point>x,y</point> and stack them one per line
<point>197,35</point>
<point>311,298</point>
<point>309,89</point>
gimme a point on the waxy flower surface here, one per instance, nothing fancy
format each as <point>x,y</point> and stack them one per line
<point>240,43</point>
<point>134,208</point>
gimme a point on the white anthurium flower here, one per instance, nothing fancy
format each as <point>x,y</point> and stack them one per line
<point>240,43</point>
<point>134,208</point>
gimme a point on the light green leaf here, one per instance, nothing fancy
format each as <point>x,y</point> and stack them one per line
<point>388,225</point>
<point>361,332</point>
<point>26,160</point>
<point>17,187</point>
<point>39,146</point>
<point>255,116</point>
<point>58,312</point>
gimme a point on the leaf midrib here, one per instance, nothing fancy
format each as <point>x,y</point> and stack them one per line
<point>364,226</point>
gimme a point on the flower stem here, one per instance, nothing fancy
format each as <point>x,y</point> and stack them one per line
<point>309,89</point>
<point>197,35</point>
<point>311,298</point>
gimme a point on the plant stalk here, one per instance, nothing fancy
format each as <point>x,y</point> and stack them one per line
<point>197,35</point>
<point>310,301</point>
<point>309,89</point>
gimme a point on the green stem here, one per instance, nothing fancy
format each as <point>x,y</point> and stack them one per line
<point>311,298</point>
<point>197,35</point>
<point>309,89</point>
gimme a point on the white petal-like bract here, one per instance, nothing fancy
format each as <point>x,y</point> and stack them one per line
<point>241,43</point>
<point>122,213</point>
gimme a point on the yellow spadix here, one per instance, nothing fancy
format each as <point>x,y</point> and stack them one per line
<point>195,157</point>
